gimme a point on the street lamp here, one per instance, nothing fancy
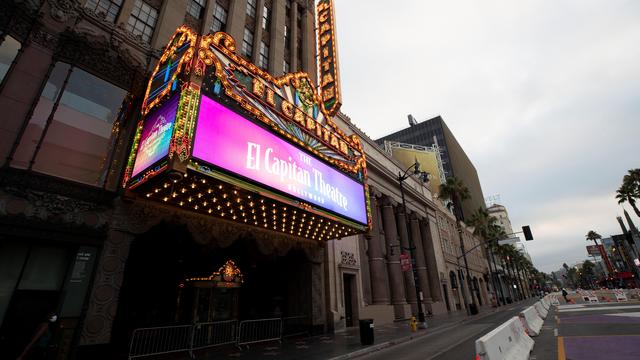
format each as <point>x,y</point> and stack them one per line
<point>424,176</point>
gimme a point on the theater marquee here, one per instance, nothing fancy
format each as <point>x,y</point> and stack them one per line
<point>222,137</point>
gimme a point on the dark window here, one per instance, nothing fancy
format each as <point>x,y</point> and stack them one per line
<point>86,112</point>
<point>8,51</point>
<point>286,67</point>
<point>247,43</point>
<point>142,20</point>
<point>263,60</point>
<point>219,19</point>
<point>287,36</point>
<point>196,8</point>
<point>251,8</point>
<point>110,8</point>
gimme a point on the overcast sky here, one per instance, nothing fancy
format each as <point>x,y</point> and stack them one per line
<point>543,95</point>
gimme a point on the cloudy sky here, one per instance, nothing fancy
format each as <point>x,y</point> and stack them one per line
<point>543,95</point>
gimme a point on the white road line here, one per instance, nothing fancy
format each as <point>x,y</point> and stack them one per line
<point>601,308</point>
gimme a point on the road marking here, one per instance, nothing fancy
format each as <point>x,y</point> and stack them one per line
<point>629,314</point>
<point>601,308</point>
<point>561,355</point>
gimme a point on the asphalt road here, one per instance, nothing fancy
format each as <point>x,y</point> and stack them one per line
<point>453,343</point>
<point>598,331</point>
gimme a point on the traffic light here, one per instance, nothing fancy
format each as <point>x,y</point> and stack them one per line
<point>527,232</point>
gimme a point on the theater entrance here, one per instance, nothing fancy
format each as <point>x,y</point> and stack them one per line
<point>170,279</point>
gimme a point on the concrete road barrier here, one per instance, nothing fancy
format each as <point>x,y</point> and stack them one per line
<point>508,341</point>
<point>532,321</point>
<point>541,310</point>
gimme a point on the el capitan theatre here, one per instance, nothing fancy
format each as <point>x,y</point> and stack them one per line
<point>221,137</point>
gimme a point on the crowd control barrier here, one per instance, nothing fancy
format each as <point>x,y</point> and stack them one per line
<point>532,321</point>
<point>508,341</point>
<point>541,310</point>
<point>188,338</point>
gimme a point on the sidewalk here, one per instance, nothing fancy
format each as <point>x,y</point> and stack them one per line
<point>346,344</point>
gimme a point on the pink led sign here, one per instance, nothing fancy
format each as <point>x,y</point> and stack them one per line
<point>235,144</point>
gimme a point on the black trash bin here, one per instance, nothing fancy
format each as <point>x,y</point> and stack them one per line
<point>473,309</point>
<point>366,331</point>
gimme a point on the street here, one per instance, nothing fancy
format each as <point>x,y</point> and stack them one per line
<point>453,343</point>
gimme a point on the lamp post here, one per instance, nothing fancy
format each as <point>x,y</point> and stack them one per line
<point>416,281</point>
<point>466,266</point>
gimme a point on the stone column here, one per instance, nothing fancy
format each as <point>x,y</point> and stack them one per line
<point>421,264</point>
<point>365,274</point>
<point>257,32</point>
<point>276,49</point>
<point>409,283</point>
<point>393,264</point>
<point>294,37</point>
<point>430,258</point>
<point>103,302</point>
<point>375,238</point>
<point>236,20</point>
<point>309,43</point>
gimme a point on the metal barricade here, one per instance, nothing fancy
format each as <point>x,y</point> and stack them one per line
<point>160,340</point>
<point>255,331</point>
<point>295,325</point>
<point>214,334</point>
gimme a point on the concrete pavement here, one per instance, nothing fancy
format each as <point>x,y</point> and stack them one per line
<point>346,345</point>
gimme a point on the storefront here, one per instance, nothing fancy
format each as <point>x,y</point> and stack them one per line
<point>231,172</point>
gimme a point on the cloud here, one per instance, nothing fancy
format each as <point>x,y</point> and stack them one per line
<point>544,97</point>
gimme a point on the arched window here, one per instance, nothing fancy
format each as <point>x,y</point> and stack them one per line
<point>453,280</point>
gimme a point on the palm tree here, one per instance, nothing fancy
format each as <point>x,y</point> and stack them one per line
<point>629,191</point>
<point>593,236</point>
<point>482,223</point>
<point>454,190</point>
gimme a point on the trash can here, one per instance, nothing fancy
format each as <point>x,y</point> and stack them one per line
<point>473,309</point>
<point>366,331</point>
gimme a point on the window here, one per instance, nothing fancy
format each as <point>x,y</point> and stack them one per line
<point>110,8</point>
<point>8,51</point>
<point>263,60</point>
<point>251,8</point>
<point>266,18</point>
<point>195,8</point>
<point>142,20</point>
<point>287,42</point>
<point>219,19</point>
<point>286,67</point>
<point>247,43</point>
<point>86,109</point>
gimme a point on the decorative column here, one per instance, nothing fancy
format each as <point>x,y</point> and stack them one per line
<point>393,263</point>
<point>430,257</point>
<point>409,283</point>
<point>421,264</point>
<point>375,238</point>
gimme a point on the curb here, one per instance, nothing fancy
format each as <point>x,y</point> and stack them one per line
<point>390,343</point>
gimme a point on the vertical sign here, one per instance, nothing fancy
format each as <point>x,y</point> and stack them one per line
<point>328,58</point>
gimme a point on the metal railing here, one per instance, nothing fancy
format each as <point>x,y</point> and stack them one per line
<point>160,340</point>
<point>214,334</point>
<point>187,338</point>
<point>255,331</point>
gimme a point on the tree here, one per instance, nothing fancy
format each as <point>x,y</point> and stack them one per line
<point>593,236</point>
<point>455,190</point>
<point>629,191</point>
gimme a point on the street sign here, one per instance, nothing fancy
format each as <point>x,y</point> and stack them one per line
<point>405,262</point>
<point>512,240</point>
<point>593,250</point>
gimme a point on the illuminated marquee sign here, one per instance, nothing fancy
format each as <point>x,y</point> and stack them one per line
<point>224,138</point>
<point>328,59</point>
<point>155,138</point>
<point>254,153</point>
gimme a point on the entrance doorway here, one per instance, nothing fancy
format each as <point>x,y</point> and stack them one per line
<point>446,297</point>
<point>350,299</point>
<point>155,291</point>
